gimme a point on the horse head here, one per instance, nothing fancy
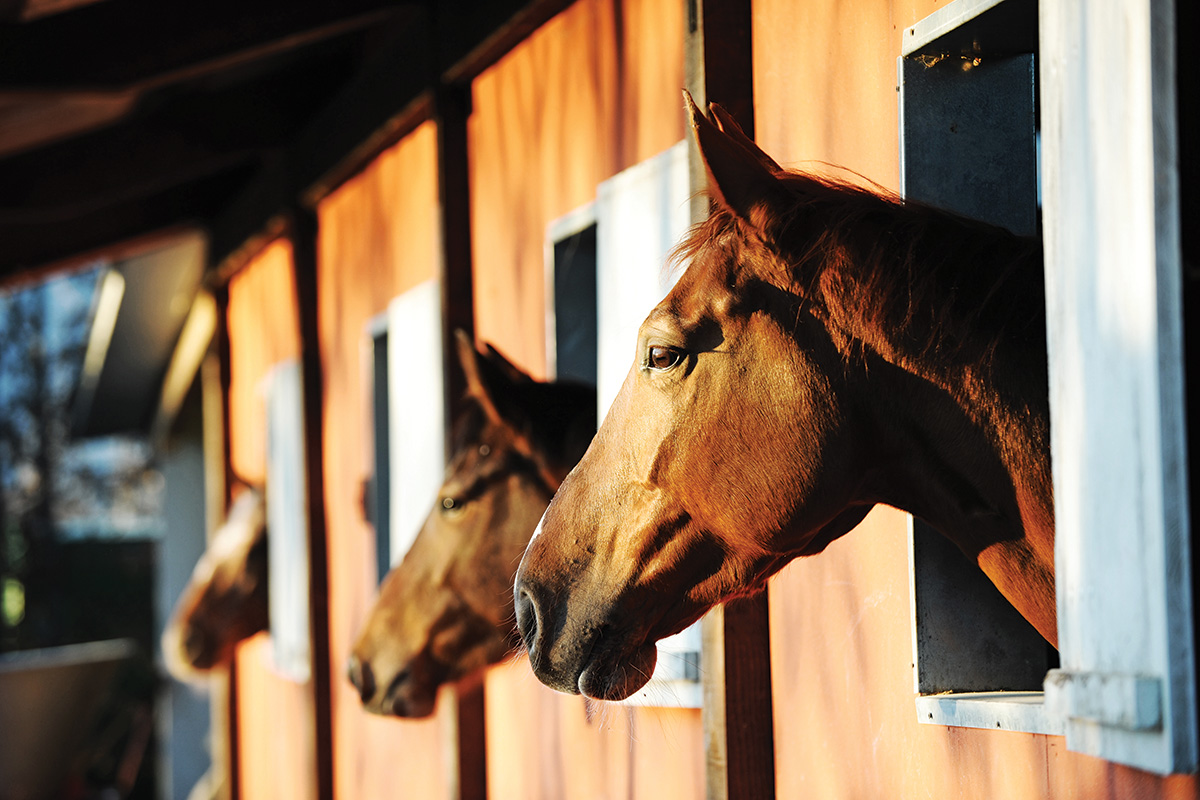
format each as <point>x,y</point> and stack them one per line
<point>226,599</point>
<point>777,395</point>
<point>445,611</point>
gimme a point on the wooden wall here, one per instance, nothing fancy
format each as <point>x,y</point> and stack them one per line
<point>845,721</point>
<point>594,91</point>
<point>275,716</point>
<point>377,238</point>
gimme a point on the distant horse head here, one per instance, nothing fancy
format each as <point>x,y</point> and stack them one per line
<point>446,610</point>
<point>826,349</point>
<point>226,599</point>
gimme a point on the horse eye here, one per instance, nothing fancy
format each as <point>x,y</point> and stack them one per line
<point>659,357</point>
<point>449,504</point>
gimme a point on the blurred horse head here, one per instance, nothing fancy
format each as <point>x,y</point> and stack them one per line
<point>446,610</point>
<point>226,599</point>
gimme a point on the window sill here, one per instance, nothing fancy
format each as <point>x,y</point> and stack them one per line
<point>1024,712</point>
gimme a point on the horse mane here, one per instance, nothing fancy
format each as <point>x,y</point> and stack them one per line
<point>911,281</point>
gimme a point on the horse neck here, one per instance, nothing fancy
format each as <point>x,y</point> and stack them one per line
<point>951,320</point>
<point>958,303</point>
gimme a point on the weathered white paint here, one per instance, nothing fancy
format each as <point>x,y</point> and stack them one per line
<point>942,21</point>
<point>287,522</point>
<point>416,444</point>
<point>1116,395</point>
<point>998,711</point>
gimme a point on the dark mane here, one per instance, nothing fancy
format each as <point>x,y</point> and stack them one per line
<point>909,281</point>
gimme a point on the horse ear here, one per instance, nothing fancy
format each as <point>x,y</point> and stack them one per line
<point>741,176</point>
<point>490,378</point>
<point>511,370</point>
<point>729,126</point>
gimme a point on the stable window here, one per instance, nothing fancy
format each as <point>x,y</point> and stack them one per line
<point>970,116</point>
<point>604,275</point>
<point>407,419</point>
<point>968,136</point>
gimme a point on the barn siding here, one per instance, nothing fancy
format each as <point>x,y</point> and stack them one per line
<point>377,237</point>
<point>845,722</point>
<point>275,715</point>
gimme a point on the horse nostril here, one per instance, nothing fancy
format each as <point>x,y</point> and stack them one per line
<point>363,678</point>
<point>527,618</point>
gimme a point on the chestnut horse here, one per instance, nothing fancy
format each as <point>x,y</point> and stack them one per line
<point>828,348</point>
<point>226,599</point>
<point>446,611</point>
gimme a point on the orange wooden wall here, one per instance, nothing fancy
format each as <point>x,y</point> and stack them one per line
<point>377,238</point>
<point>594,91</point>
<point>845,721</point>
<point>275,717</point>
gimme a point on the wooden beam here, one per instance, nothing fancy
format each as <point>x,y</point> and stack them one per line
<point>26,245</point>
<point>387,100</point>
<point>148,42</point>
<point>474,35</point>
<point>392,96</point>
<point>739,726</point>
<point>303,235</point>
<point>452,108</point>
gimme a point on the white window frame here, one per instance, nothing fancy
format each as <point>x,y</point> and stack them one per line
<point>416,411</point>
<point>287,522</point>
<point>1127,683</point>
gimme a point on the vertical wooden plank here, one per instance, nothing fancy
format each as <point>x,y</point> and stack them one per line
<point>739,728</point>
<point>220,477</point>
<point>452,108</point>
<point>303,223</point>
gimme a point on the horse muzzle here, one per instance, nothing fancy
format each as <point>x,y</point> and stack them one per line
<point>584,653</point>
<point>397,692</point>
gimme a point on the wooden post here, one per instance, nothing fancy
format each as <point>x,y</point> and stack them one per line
<point>303,229</point>
<point>452,108</point>
<point>738,714</point>
<point>223,719</point>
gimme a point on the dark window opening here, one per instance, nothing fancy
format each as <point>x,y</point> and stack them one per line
<point>575,315</point>
<point>377,499</point>
<point>969,141</point>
